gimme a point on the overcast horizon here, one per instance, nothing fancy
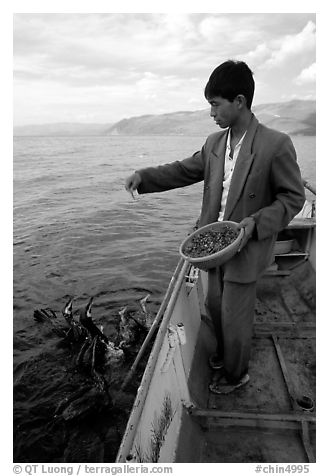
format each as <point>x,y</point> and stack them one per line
<point>101,68</point>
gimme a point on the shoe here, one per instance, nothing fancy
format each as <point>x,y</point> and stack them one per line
<point>223,387</point>
<point>215,363</point>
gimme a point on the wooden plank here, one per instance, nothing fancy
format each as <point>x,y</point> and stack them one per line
<point>287,325</point>
<point>285,373</point>
<point>287,330</point>
<point>221,423</point>
<point>277,272</point>
<point>307,443</point>
<point>293,333</point>
<point>284,417</point>
<point>302,223</point>
<point>292,254</point>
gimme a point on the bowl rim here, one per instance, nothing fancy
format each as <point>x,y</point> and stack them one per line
<point>219,253</point>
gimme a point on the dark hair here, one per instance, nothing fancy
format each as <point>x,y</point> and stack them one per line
<point>230,79</point>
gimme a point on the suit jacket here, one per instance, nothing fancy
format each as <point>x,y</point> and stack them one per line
<point>266,184</point>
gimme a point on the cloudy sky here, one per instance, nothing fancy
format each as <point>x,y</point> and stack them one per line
<point>94,67</point>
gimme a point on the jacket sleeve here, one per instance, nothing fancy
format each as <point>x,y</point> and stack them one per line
<point>173,175</point>
<point>287,189</point>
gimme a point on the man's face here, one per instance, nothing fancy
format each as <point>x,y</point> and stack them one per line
<point>224,112</point>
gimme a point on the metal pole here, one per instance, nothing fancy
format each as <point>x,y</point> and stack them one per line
<point>154,324</point>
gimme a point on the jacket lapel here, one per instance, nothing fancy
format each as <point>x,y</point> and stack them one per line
<point>241,169</point>
<point>213,179</point>
<point>217,159</point>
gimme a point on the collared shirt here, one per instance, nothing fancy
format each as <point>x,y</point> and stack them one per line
<point>230,161</point>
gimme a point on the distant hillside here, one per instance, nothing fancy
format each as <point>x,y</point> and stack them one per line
<point>294,117</point>
<point>192,123</point>
<point>62,129</point>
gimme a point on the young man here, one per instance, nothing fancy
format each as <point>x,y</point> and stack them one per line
<point>250,176</point>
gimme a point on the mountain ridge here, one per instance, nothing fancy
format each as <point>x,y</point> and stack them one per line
<point>293,117</point>
<point>296,117</point>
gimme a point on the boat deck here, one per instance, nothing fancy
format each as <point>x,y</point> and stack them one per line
<point>272,418</point>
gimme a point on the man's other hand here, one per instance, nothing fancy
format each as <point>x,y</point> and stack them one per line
<point>248,224</point>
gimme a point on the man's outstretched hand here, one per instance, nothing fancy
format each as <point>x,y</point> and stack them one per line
<point>248,224</point>
<point>132,182</point>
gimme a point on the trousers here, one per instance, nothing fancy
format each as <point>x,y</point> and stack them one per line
<point>231,307</point>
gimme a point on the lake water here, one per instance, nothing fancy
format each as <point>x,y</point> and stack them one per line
<point>77,232</point>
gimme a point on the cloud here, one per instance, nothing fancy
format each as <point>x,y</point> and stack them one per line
<point>100,48</point>
<point>230,32</point>
<point>258,55</point>
<point>291,46</point>
<point>125,64</point>
<point>179,25</point>
<point>212,28</point>
<point>307,75</point>
<point>77,48</point>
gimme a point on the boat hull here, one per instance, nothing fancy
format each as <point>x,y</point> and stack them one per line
<point>272,419</point>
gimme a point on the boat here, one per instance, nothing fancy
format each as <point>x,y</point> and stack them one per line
<point>175,419</point>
